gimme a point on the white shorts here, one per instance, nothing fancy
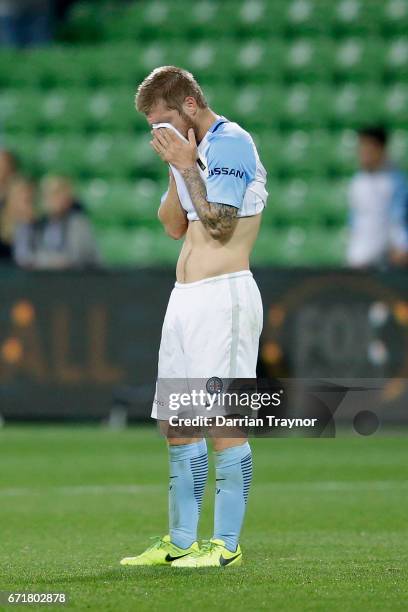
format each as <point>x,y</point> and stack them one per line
<point>211,329</point>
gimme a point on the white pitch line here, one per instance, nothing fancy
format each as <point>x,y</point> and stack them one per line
<point>78,490</point>
<point>328,486</point>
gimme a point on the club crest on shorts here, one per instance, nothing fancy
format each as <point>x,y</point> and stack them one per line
<point>214,385</point>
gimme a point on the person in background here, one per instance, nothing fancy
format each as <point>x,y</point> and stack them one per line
<point>19,227</point>
<point>64,237</point>
<point>8,172</point>
<point>378,202</point>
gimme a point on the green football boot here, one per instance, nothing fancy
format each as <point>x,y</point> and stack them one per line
<point>212,553</point>
<point>161,552</point>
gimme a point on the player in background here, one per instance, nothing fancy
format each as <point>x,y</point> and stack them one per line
<point>214,317</point>
<point>378,201</point>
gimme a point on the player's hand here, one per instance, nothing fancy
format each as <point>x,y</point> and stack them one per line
<point>173,150</point>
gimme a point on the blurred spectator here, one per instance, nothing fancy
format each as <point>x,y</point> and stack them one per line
<point>8,171</point>
<point>18,228</point>
<point>25,23</point>
<point>64,238</point>
<point>378,200</point>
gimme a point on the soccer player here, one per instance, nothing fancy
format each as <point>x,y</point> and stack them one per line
<point>214,318</point>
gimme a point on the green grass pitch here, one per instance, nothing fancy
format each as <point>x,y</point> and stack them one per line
<point>326,528</point>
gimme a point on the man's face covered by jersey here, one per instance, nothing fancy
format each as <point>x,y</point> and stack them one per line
<point>160,113</point>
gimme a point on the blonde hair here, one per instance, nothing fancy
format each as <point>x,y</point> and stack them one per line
<point>170,84</point>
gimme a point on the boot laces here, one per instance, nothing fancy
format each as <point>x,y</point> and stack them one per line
<point>206,548</point>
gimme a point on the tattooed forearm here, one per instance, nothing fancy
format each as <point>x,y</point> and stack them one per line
<point>218,219</point>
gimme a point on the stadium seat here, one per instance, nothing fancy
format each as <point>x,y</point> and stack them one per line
<point>306,203</point>
<point>359,58</point>
<point>393,15</point>
<point>264,18</point>
<point>295,246</point>
<point>309,59</point>
<point>114,109</point>
<point>137,247</point>
<point>349,17</point>
<point>20,110</point>
<point>356,104</point>
<point>255,60</point>
<point>399,147</point>
<point>341,153</point>
<point>396,59</point>
<point>121,202</point>
<point>306,106</point>
<point>120,155</point>
<point>303,17</point>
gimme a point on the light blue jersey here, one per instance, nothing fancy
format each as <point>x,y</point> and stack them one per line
<point>231,169</point>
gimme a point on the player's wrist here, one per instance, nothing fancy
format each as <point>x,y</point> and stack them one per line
<point>186,167</point>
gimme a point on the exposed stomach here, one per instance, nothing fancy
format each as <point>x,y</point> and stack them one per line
<point>203,257</point>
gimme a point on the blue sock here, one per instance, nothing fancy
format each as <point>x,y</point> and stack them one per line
<point>233,478</point>
<point>188,475</point>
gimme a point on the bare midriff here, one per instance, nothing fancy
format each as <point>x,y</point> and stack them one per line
<point>203,257</point>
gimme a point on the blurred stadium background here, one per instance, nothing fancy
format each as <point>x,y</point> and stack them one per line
<point>301,76</point>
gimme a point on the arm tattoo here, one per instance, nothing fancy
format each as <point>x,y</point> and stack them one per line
<point>218,219</point>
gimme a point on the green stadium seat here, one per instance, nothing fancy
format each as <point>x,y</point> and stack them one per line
<point>296,246</point>
<point>306,106</point>
<point>360,58</point>
<point>393,15</point>
<point>286,204</point>
<point>20,110</point>
<point>281,247</point>
<point>309,59</point>
<point>137,247</point>
<point>395,105</point>
<point>170,18</point>
<point>114,109</point>
<point>61,154</point>
<point>258,17</point>
<point>258,60</point>
<point>209,60</point>
<point>349,17</point>
<point>250,106</point>
<point>64,109</point>
<point>356,104</point>
<point>304,153</point>
<point>121,202</point>
<point>326,203</point>
<point>303,17</point>
<point>206,17</point>
<point>399,147</point>
<point>322,247</point>
<point>396,59</point>
<point>115,63</point>
<point>306,203</point>
<point>342,153</point>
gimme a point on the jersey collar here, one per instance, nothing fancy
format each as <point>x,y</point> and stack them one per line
<point>217,124</point>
